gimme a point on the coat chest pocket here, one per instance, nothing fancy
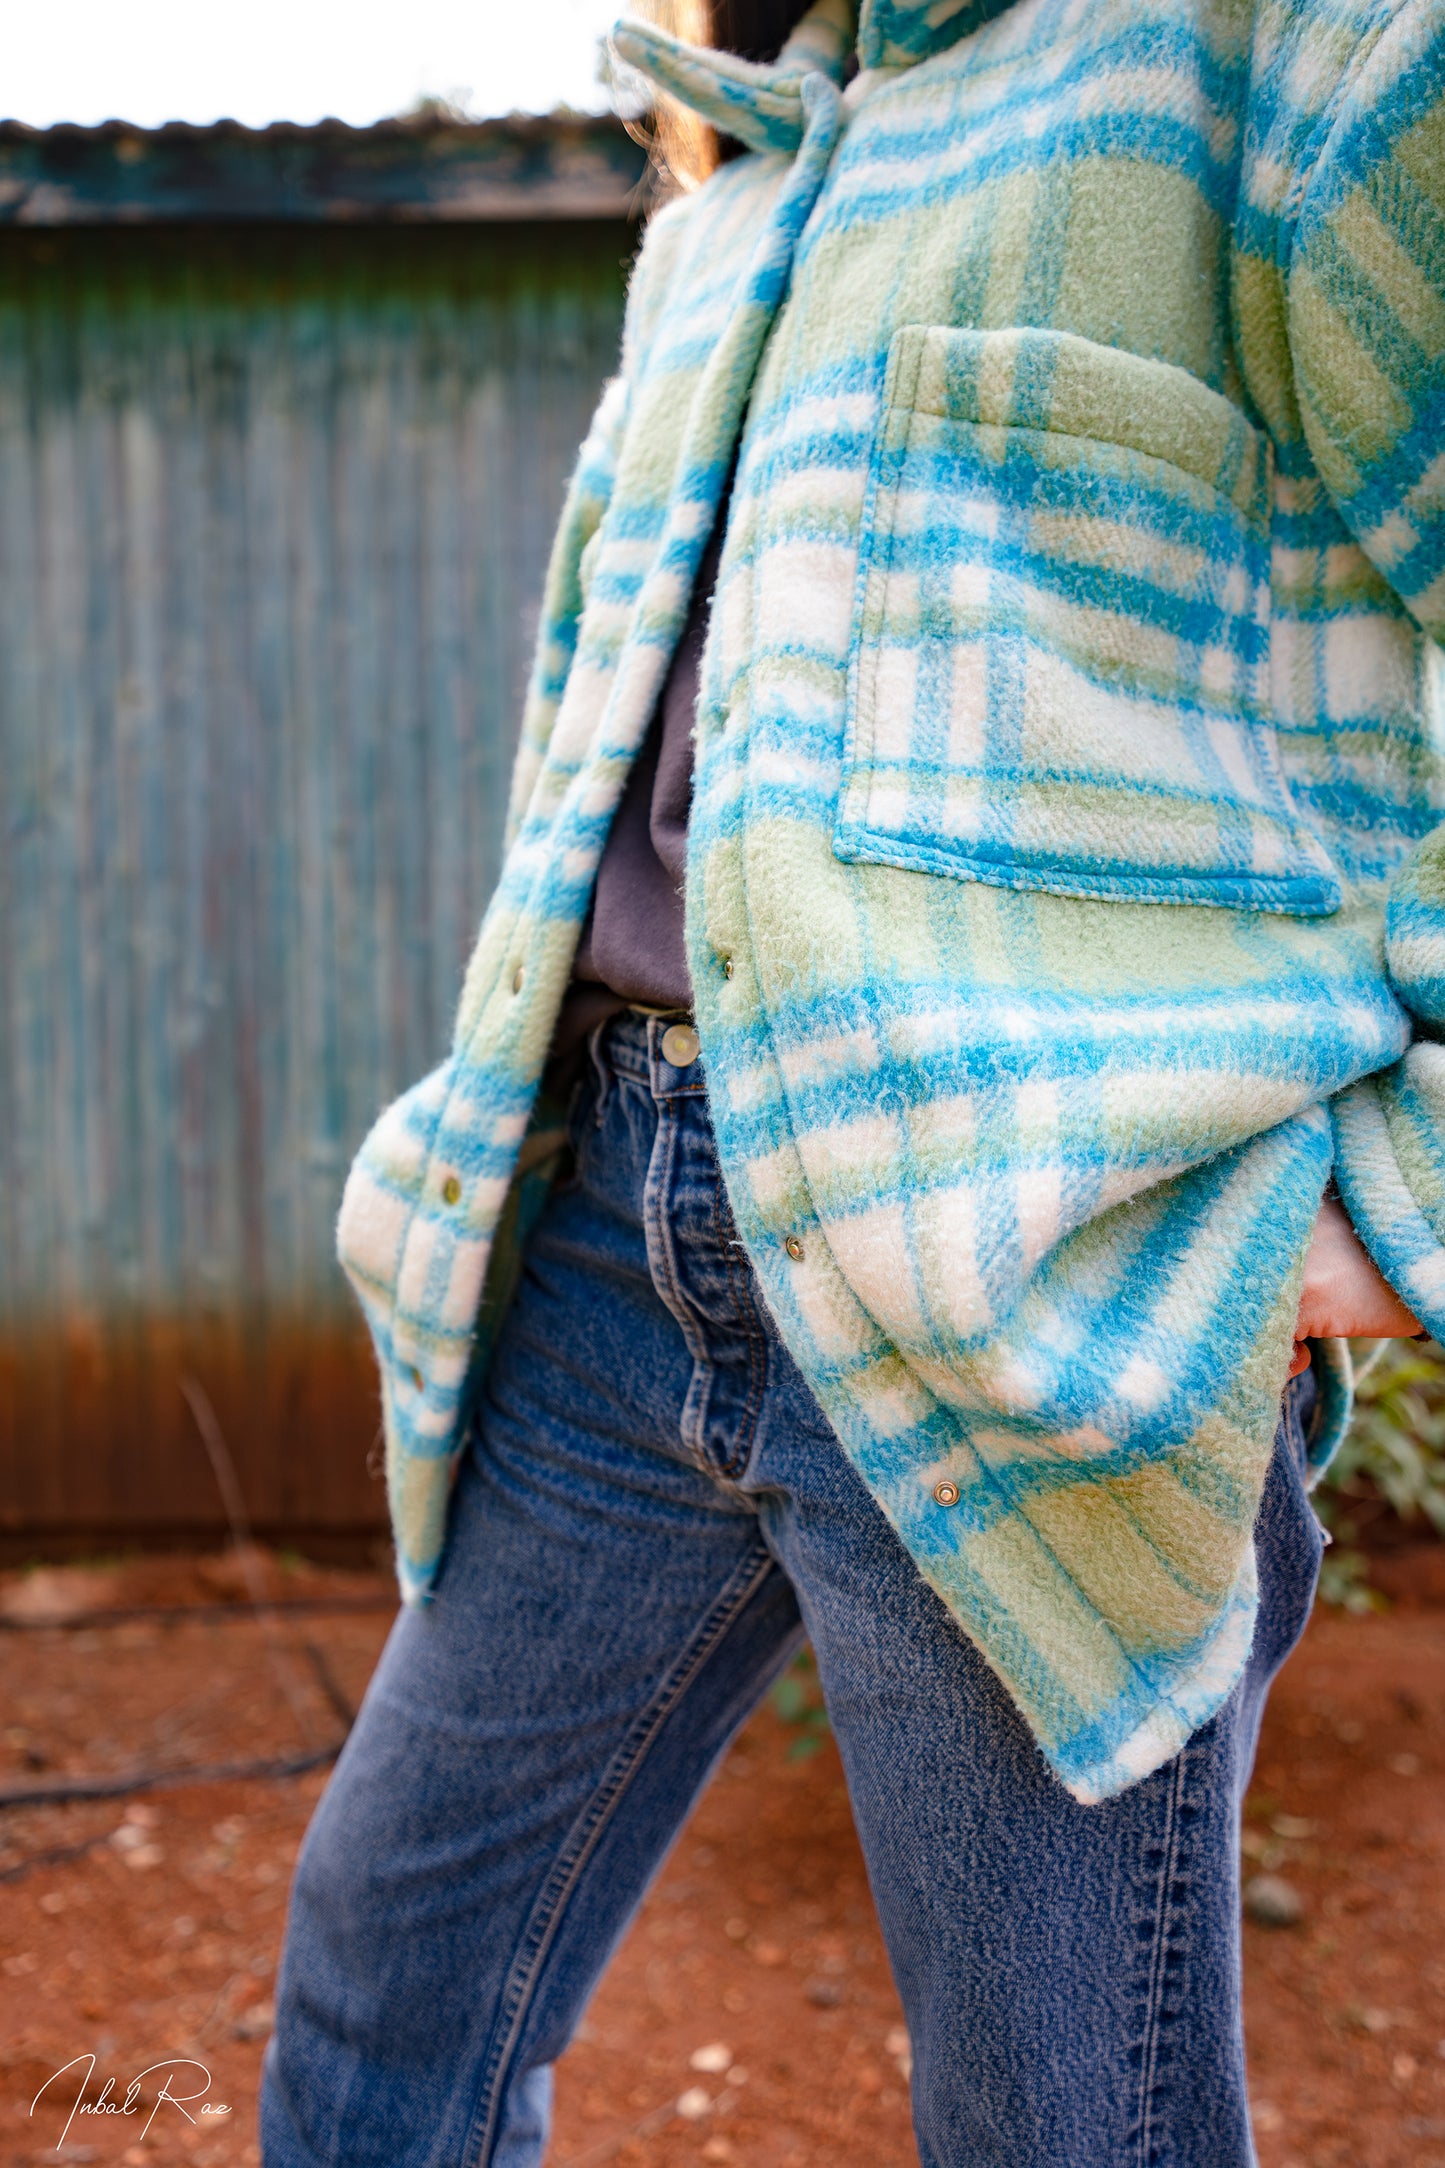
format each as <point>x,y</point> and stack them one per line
<point>1058,665</point>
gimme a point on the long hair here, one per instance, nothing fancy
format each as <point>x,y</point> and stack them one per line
<point>685,149</point>
<point>757,29</point>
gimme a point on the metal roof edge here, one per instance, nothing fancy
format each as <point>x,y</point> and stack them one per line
<point>413,168</point>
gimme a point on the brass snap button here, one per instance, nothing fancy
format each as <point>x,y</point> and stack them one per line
<point>680,1045</point>
<point>727,967</point>
<point>946,1493</point>
<point>794,1249</point>
<point>451,1190</point>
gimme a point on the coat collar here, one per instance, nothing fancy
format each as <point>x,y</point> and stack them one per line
<point>896,33</point>
<point>761,104</point>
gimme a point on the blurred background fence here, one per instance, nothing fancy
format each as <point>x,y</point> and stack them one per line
<point>285,420</point>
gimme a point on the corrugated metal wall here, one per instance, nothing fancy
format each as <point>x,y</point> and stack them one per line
<point>274,508</point>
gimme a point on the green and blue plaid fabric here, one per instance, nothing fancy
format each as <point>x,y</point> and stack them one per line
<point>1062,655</point>
<point>1067,720</point>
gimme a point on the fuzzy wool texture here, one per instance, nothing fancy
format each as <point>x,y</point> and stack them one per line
<point>1066,723</point>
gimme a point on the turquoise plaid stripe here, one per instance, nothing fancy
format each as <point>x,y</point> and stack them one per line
<point>759,106</point>
<point>1065,738</point>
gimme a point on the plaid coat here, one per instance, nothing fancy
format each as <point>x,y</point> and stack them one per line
<point>1054,905</point>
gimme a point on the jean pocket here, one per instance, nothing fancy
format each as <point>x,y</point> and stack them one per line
<point>1059,658</point>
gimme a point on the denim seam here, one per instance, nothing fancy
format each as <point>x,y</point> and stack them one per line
<point>1154,2015</point>
<point>668,1128</point>
<point>651,1196</point>
<point>570,1180</point>
<point>547,1913</point>
<point>750,1331</point>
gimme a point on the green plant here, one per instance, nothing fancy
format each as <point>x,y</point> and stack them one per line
<point>1395,1450</point>
<point>1345,1582</point>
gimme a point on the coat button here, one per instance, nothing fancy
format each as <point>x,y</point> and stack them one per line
<point>946,1493</point>
<point>451,1190</point>
<point>680,1045</point>
<point>727,967</point>
<point>517,977</point>
<point>794,1249</point>
<point>416,1378</point>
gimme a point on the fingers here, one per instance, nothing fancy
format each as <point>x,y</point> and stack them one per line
<point>1344,1293</point>
<point>1354,1310</point>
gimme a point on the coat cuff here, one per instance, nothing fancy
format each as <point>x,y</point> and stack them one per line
<point>1390,1171</point>
<point>1334,1370</point>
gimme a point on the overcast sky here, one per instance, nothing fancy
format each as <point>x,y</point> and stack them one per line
<point>150,61</point>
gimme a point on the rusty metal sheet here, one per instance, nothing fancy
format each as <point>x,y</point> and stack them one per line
<point>274,511</point>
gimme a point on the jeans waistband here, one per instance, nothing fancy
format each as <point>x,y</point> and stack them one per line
<point>637,1045</point>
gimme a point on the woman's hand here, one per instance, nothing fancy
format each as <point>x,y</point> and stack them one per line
<point>1344,1294</point>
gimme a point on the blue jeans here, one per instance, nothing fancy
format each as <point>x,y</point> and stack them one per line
<point>652,1514</point>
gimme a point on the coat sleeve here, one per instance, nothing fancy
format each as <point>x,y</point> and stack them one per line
<point>589,493</point>
<point>1366,321</point>
<point>563,596</point>
<point>1366,307</point>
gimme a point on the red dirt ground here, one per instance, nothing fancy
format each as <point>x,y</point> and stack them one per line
<point>749,2017</point>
